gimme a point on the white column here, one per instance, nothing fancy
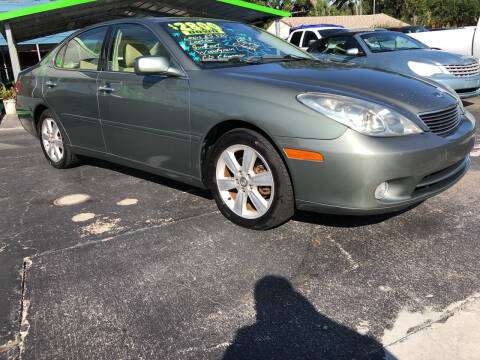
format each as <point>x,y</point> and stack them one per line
<point>12,49</point>
<point>38,53</point>
<point>277,27</point>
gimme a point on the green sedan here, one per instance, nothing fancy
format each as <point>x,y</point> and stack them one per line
<point>228,107</point>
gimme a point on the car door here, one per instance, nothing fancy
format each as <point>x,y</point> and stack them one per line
<point>70,88</point>
<point>336,49</point>
<point>296,37</point>
<point>144,118</point>
<point>309,37</point>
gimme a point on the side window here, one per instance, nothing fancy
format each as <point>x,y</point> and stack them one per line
<point>295,39</point>
<point>130,42</point>
<point>309,36</point>
<point>83,51</point>
<point>59,58</point>
<point>340,45</point>
<point>320,46</point>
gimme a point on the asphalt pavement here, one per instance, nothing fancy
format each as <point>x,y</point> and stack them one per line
<point>104,262</point>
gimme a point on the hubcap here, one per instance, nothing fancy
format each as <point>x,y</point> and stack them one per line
<point>245,181</point>
<point>52,140</point>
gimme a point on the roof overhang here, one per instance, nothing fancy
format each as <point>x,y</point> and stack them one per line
<point>64,15</point>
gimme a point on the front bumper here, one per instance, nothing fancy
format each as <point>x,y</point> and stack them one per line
<point>465,87</point>
<point>416,168</point>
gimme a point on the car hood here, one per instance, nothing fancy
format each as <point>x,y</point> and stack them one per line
<point>425,56</point>
<point>402,92</point>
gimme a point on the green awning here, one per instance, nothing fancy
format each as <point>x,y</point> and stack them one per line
<point>64,15</point>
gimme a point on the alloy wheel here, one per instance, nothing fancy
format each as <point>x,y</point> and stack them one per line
<point>52,140</point>
<point>245,181</point>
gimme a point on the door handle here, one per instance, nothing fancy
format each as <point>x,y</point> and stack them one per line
<point>107,89</point>
<point>51,83</point>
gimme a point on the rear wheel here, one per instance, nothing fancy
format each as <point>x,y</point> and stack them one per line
<point>53,143</point>
<point>249,180</point>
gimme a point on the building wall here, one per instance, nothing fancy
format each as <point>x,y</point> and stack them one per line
<point>284,30</point>
<point>350,22</point>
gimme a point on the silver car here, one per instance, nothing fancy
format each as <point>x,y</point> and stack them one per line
<point>394,51</point>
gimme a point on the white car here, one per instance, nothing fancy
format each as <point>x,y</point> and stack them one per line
<point>463,41</point>
<point>304,36</point>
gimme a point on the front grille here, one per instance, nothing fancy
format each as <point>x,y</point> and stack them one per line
<point>442,122</point>
<point>463,91</point>
<point>443,177</point>
<point>464,70</point>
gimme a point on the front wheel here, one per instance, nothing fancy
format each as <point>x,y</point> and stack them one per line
<point>249,180</point>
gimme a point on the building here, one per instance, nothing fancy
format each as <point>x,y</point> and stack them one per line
<point>349,21</point>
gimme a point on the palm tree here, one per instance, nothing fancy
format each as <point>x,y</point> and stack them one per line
<point>339,3</point>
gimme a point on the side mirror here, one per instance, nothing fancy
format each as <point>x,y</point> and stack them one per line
<point>353,52</point>
<point>311,42</point>
<point>155,65</point>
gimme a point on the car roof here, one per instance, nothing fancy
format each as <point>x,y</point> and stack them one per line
<point>317,26</point>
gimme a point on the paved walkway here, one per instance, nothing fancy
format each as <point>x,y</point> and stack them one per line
<point>10,122</point>
<point>453,335</point>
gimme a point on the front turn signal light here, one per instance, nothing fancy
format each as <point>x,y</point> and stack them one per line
<point>303,154</point>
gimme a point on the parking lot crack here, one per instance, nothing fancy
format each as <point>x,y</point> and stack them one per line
<point>24,325</point>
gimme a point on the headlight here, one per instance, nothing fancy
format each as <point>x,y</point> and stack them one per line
<point>363,116</point>
<point>424,69</point>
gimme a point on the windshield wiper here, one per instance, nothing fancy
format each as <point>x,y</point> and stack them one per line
<point>257,59</point>
<point>284,57</point>
<point>234,60</point>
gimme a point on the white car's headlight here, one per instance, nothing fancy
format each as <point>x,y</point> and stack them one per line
<point>424,69</point>
<point>363,116</point>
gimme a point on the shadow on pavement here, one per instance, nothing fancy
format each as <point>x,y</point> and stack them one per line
<point>346,221</point>
<point>289,327</point>
<point>146,176</point>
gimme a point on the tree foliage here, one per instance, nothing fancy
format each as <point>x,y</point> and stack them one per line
<point>432,13</point>
<point>429,13</point>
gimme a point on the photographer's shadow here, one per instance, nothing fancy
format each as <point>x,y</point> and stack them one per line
<point>289,327</point>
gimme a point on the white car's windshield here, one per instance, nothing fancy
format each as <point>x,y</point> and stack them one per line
<point>217,43</point>
<point>381,41</point>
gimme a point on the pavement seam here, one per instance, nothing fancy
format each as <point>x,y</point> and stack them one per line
<point>93,242</point>
<point>24,325</point>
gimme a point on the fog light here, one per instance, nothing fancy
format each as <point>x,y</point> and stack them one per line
<point>381,190</point>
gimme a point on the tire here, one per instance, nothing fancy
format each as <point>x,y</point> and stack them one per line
<point>247,199</point>
<point>52,140</point>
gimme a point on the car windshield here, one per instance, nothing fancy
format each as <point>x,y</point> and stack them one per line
<point>414,29</point>
<point>328,32</point>
<point>382,41</point>
<point>224,43</point>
